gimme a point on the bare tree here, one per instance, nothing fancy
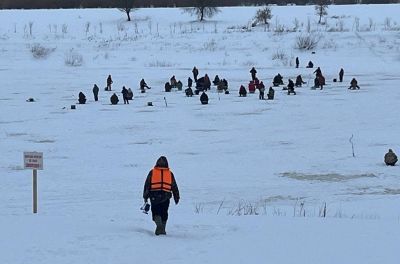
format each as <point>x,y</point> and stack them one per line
<point>321,7</point>
<point>263,15</point>
<point>126,6</point>
<point>203,9</point>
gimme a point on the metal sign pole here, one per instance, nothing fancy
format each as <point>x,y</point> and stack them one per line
<point>34,161</point>
<point>35,191</point>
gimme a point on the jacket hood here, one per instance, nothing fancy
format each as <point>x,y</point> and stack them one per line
<point>162,162</point>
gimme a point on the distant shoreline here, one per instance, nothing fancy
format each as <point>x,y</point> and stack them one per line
<point>74,4</point>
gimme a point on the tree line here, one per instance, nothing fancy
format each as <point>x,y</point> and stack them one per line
<point>35,4</point>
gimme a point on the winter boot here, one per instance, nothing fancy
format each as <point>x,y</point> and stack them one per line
<point>164,224</point>
<point>159,225</point>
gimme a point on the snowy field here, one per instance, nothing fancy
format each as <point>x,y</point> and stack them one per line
<point>253,175</point>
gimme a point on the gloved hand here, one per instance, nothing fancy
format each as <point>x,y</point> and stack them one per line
<point>176,200</point>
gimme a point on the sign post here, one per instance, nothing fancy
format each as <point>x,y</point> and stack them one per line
<point>34,191</point>
<point>34,161</point>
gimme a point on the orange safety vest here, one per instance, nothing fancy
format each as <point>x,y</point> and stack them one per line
<point>161,179</point>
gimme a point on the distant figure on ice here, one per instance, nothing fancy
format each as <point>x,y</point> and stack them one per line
<point>189,92</point>
<point>200,85</point>
<point>261,88</point>
<point>204,98</point>
<point>207,82</point>
<point>130,94</point>
<point>195,72</point>
<point>82,98</point>
<point>390,158</point>
<point>341,73</point>
<point>222,85</point>
<point>173,81</point>
<point>318,72</point>
<point>271,93</point>
<point>96,92</point>
<point>225,82</point>
<point>125,95</point>
<point>143,86</point>
<point>179,85</point>
<point>242,91</point>
<point>190,82</point>
<point>354,84</point>
<point>310,65</point>
<point>253,73</point>
<point>299,81</point>
<point>290,87</point>
<point>109,82</point>
<point>114,99</point>
<point>216,80</point>
<point>159,187</point>
<point>278,80</point>
<point>167,87</point>
<point>321,81</point>
<point>297,62</point>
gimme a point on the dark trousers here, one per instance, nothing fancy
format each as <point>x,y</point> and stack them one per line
<point>96,97</point>
<point>160,209</point>
<point>261,96</point>
<point>126,101</point>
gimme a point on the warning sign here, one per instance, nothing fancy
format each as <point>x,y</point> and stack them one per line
<point>33,160</point>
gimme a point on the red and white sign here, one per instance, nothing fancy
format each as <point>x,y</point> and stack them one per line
<point>33,160</point>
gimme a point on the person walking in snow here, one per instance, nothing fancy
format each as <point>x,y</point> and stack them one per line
<point>390,158</point>
<point>297,62</point>
<point>159,187</point>
<point>96,92</point>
